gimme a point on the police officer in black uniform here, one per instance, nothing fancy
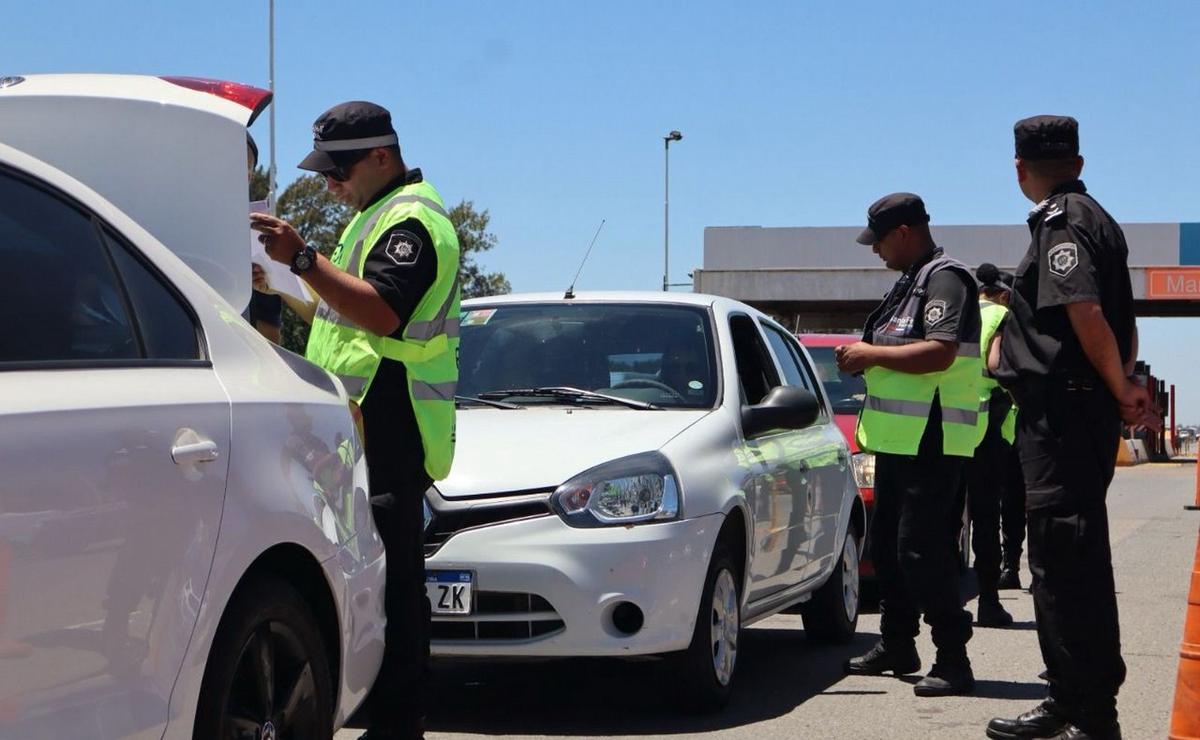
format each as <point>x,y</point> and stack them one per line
<point>915,495</point>
<point>1066,353</point>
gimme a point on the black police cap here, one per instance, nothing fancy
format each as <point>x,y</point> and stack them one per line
<point>890,211</point>
<point>1046,137</point>
<point>347,128</point>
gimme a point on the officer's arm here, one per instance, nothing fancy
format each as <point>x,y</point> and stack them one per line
<point>351,297</point>
<point>302,309</point>
<point>1099,344</point>
<point>1133,351</point>
<point>929,356</point>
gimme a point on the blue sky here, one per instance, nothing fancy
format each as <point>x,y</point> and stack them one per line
<point>551,114</point>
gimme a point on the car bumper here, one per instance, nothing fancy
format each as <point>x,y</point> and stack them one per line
<point>544,589</point>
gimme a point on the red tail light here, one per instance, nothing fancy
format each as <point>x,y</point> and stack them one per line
<point>254,98</point>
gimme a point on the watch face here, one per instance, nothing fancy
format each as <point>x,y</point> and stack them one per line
<point>303,260</point>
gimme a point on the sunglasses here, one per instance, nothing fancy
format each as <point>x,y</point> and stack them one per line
<point>341,172</point>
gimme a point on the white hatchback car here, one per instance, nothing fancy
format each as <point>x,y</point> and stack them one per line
<point>186,547</point>
<point>638,474</point>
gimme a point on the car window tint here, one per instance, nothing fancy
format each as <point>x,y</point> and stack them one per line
<point>61,300</point>
<point>846,391</point>
<point>167,330</point>
<point>789,361</point>
<point>756,372</point>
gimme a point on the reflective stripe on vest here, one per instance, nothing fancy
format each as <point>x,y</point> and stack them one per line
<point>897,407</point>
<point>429,347</point>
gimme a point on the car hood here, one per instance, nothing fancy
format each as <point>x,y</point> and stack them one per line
<point>535,448</point>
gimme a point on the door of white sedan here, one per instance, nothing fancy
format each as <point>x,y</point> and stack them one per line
<point>114,443</point>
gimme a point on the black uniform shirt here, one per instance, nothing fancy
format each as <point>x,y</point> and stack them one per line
<point>1077,254</point>
<point>950,310</point>
<point>401,266</point>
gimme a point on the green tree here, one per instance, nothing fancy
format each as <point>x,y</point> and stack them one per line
<point>473,239</point>
<point>259,185</point>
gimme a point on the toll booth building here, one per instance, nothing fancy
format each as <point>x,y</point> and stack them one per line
<point>819,279</point>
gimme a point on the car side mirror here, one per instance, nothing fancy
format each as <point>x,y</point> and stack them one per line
<point>784,407</point>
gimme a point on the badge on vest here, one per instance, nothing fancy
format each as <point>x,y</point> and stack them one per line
<point>1063,259</point>
<point>403,248</point>
<point>935,311</point>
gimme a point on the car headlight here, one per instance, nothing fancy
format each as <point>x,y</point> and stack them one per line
<point>638,488</point>
<point>864,469</point>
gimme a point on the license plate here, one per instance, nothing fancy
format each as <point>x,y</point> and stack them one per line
<point>449,591</point>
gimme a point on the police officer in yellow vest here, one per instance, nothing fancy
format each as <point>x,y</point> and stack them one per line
<point>386,323</point>
<point>920,353</point>
<point>994,468</point>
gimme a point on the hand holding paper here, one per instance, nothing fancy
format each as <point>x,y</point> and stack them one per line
<point>277,277</point>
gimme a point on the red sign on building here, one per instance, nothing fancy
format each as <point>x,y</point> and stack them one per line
<point>1173,283</point>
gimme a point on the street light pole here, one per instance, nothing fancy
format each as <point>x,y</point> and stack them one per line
<point>271,84</point>
<point>673,136</point>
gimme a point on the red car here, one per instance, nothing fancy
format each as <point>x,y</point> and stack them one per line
<point>846,392</point>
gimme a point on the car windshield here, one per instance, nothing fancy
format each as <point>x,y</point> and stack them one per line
<point>658,354</point>
<point>846,392</point>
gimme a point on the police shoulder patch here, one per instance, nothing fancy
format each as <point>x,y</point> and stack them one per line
<point>935,311</point>
<point>403,247</point>
<point>1063,258</point>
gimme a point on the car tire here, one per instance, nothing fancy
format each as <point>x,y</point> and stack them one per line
<point>706,669</point>
<point>267,665</point>
<point>831,615</point>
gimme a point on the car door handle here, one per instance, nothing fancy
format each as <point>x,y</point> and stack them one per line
<point>190,448</point>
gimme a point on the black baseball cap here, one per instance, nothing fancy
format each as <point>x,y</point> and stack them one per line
<point>890,211</point>
<point>1046,137</point>
<point>343,132</point>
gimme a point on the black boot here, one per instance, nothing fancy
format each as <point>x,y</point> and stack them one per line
<point>1039,722</point>
<point>898,658</point>
<point>1108,732</point>
<point>949,676</point>
<point>991,613</point>
<point>1010,572</point>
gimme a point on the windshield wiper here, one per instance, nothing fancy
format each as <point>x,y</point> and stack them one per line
<point>569,393</point>
<point>488,402</point>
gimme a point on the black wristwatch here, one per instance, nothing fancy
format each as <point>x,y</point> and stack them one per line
<point>304,259</point>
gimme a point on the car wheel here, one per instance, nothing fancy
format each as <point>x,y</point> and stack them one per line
<point>707,667</point>
<point>831,615</point>
<point>267,674</point>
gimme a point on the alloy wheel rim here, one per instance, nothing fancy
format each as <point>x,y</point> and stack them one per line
<point>273,693</point>
<point>850,578</point>
<point>724,627</point>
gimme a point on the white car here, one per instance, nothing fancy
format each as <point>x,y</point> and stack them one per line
<point>638,474</point>
<point>186,548</point>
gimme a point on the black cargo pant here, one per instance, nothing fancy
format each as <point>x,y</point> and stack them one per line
<point>1068,445</point>
<point>986,478</point>
<point>915,561</point>
<point>1012,507</point>
<point>397,700</point>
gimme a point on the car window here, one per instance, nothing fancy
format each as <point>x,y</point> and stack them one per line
<point>167,329</point>
<point>756,372</point>
<point>661,354</point>
<point>61,301</point>
<point>789,358</point>
<point>846,392</point>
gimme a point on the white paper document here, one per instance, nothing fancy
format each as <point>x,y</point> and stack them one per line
<point>279,276</point>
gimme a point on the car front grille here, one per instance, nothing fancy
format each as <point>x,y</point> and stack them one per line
<point>500,616</point>
<point>453,516</point>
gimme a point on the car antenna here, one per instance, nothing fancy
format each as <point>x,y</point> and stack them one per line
<point>571,290</point>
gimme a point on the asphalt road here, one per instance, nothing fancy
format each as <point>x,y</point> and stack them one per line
<point>788,688</point>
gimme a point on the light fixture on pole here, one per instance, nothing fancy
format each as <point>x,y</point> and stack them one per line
<point>673,136</point>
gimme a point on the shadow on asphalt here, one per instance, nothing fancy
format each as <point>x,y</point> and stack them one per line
<point>778,670</point>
